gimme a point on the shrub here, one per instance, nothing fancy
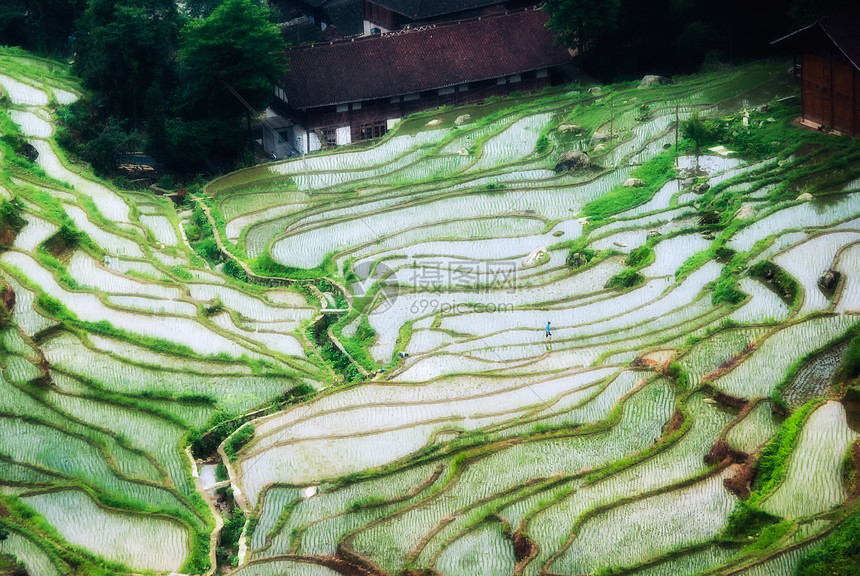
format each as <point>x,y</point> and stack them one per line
<point>679,375</point>
<point>625,279</point>
<point>239,439</point>
<point>851,364</point>
<point>640,256</point>
<point>726,289</point>
<point>838,555</point>
<point>698,130</point>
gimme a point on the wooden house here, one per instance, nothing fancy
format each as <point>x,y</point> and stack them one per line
<point>830,71</point>
<point>350,90</point>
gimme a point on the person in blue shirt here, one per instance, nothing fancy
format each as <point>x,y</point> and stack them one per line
<point>548,335</point>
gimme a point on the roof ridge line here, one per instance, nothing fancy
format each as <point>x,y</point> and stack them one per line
<point>415,29</point>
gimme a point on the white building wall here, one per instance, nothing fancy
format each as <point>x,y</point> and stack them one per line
<point>299,139</point>
<point>344,135</point>
<point>391,123</point>
<point>314,142</point>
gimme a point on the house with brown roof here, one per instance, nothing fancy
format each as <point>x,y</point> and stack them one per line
<point>351,90</point>
<point>830,71</point>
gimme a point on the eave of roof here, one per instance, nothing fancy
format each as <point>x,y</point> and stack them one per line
<point>834,33</point>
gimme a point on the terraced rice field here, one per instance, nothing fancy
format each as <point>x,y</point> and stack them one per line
<point>367,360</point>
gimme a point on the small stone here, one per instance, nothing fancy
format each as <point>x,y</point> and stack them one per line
<point>595,91</point>
<point>462,119</point>
<point>700,188</point>
<point>434,122</point>
<point>653,234</point>
<point>463,152</point>
<point>620,243</point>
<point>805,197</point>
<point>599,148</point>
<point>568,127</point>
<point>633,183</point>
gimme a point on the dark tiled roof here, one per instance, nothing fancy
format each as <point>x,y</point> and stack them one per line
<point>841,29</point>
<point>421,9</point>
<point>422,59</point>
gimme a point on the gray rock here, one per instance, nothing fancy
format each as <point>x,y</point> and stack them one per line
<point>573,160</point>
<point>745,212</point>
<point>700,188</point>
<point>577,260</point>
<point>829,280</point>
<point>633,183</point>
<point>805,197</point>
<point>462,119</point>
<point>599,137</point>
<point>568,127</point>
<point>653,80</point>
<point>595,91</point>
<point>653,234</point>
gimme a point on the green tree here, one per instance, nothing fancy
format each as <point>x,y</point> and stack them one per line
<point>40,25</point>
<point>122,47</point>
<point>3,534</point>
<point>580,23</point>
<point>234,48</point>
<point>101,151</point>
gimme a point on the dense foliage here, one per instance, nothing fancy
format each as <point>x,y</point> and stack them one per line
<point>624,38</point>
<point>175,83</point>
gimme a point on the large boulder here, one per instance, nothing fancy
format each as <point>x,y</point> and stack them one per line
<point>535,257</point>
<point>654,80</point>
<point>462,119</point>
<point>598,138</point>
<point>745,212</point>
<point>700,188</point>
<point>829,280</point>
<point>573,160</point>
<point>633,183</point>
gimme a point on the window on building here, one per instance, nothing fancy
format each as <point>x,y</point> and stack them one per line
<point>356,105</point>
<point>342,107</point>
<point>542,73</point>
<point>374,130</point>
<point>501,81</point>
<point>446,91</point>
<point>515,78</point>
<point>463,87</point>
<point>411,97</point>
<point>329,136</point>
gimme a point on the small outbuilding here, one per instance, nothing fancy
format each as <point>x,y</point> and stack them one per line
<point>830,71</point>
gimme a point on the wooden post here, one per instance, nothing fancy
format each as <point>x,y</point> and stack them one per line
<point>677,123</point>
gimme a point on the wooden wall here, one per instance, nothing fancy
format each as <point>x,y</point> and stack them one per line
<point>831,91</point>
